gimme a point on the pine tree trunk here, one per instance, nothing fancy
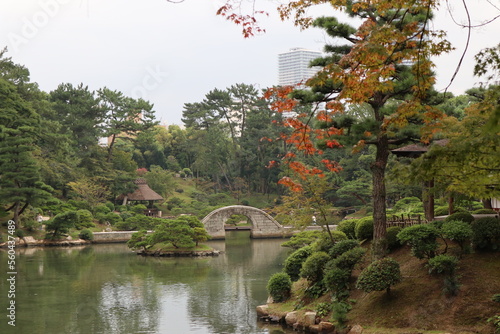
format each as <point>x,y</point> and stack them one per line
<point>379,246</point>
<point>428,199</point>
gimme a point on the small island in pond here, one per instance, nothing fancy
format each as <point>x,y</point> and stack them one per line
<point>176,237</point>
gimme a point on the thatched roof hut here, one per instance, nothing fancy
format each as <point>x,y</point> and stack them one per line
<point>142,194</point>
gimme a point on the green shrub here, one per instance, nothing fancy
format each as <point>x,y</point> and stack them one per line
<point>126,214</point>
<point>458,231</point>
<point>340,310</point>
<point>496,298</point>
<point>379,275</point>
<point>341,247</point>
<point>110,206</point>
<point>85,219</point>
<point>101,209</point>
<point>324,242</point>
<point>337,281</point>
<point>348,227</point>
<point>392,237</point>
<point>446,265</point>
<point>422,240</point>
<point>279,286</point>
<point>137,222</point>
<point>302,239</point>
<point>484,211</point>
<point>443,264</point>
<point>138,240</point>
<point>495,321</point>
<point>312,268</point>
<point>442,210</point>
<point>219,199</point>
<point>364,229</point>
<point>110,218</point>
<point>349,259</point>
<point>437,224</point>
<point>408,205</point>
<point>60,224</point>
<point>323,309</point>
<point>86,234</point>
<point>461,216</point>
<point>294,261</point>
<point>174,202</point>
<point>138,209</point>
<point>20,233</point>
<point>486,233</point>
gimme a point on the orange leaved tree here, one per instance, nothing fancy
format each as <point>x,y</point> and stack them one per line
<point>384,66</point>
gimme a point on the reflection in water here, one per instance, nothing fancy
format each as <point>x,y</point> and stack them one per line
<point>108,289</point>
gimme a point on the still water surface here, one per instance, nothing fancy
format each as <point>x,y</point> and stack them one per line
<point>108,289</point>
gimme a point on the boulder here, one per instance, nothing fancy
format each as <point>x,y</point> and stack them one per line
<point>309,319</point>
<point>356,329</point>
<point>326,327</point>
<point>314,329</point>
<point>29,240</point>
<point>262,310</point>
<point>291,318</point>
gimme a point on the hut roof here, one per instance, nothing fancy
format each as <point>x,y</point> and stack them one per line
<point>415,150</point>
<point>142,193</point>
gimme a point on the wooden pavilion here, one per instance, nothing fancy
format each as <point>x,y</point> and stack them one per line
<point>415,151</point>
<point>143,194</point>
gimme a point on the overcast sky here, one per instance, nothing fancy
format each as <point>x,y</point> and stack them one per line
<point>171,54</point>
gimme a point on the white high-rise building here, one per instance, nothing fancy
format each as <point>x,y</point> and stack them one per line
<point>293,66</point>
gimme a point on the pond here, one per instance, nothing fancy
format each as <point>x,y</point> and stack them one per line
<point>109,289</point>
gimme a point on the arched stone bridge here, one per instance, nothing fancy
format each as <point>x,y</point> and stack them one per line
<point>263,225</point>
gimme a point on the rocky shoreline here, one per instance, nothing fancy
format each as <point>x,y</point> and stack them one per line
<point>32,242</point>
<point>307,322</point>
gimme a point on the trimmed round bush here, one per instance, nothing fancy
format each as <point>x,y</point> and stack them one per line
<point>458,231</point>
<point>364,229</point>
<point>279,286</point>
<point>442,210</point>
<point>111,218</point>
<point>348,227</point>
<point>341,247</point>
<point>349,259</point>
<point>325,243</point>
<point>422,240</point>
<point>294,261</point>
<point>486,233</point>
<point>379,275</point>
<point>302,239</point>
<point>461,216</point>
<point>110,206</point>
<point>484,211</point>
<point>443,264</point>
<point>312,268</point>
<point>86,234</point>
<point>85,219</point>
<point>126,214</point>
<point>336,280</point>
<point>392,237</point>
<point>101,209</point>
<point>138,208</point>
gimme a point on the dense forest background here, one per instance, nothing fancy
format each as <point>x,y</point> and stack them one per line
<point>73,148</point>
